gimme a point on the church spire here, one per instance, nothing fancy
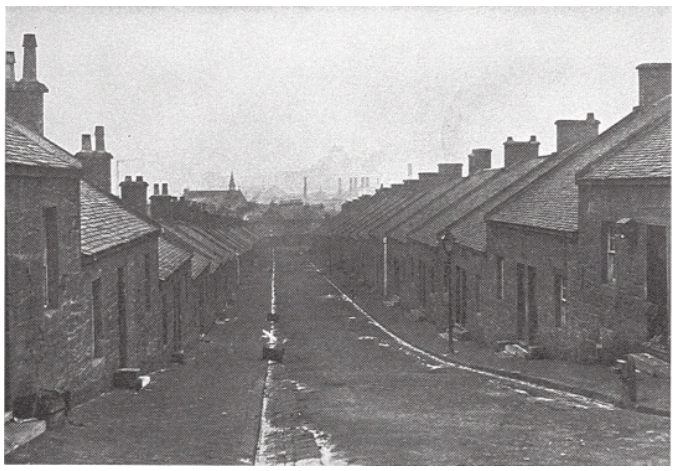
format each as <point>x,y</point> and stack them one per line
<point>231,184</point>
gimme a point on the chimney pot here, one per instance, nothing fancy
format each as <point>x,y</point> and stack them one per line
<point>9,66</point>
<point>30,62</point>
<point>509,138</point>
<point>99,138</point>
<point>86,143</point>
<point>156,189</point>
<point>140,178</point>
<point>128,178</point>
<point>533,138</point>
<point>590,117</point>
<point>165,190</point>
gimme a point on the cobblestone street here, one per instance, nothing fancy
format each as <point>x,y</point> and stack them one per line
<point>346,393</point>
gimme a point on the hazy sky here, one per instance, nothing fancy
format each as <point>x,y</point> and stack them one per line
<point>185,91</point>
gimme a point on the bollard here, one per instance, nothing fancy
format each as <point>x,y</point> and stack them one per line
<point>627,373</point>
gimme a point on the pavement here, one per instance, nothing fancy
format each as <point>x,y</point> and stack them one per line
<point>596,381</point>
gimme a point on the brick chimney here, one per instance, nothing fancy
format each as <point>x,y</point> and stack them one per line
<point>575,131</point>
<point>96,164</point>
<point>654,82</point>
<point>25,98</point>
<point>515,151</point>
<point>479,159</point>
<point>450,171</point>
<point>162,205</point>
<point>133,194</point>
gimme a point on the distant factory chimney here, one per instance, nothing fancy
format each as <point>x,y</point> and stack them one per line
<point>409,170</point>
<point>305,189</point>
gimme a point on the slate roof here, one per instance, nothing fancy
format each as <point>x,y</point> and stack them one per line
<point>552,202</point>
<point>25,147</point>
<point>484,193</point>
<point>648,156</point>
<point>465,188</point>
<point>198,264</point>
<point>170,258</point>
<point>105,223</point>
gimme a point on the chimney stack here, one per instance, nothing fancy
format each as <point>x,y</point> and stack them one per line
<point>96,165</point>
<point>451,171</point>
<point>86,143</point>
<point>25,98</point>
<point>479,159</point>
<point>162,205</point>
<point>99,138</point>
<point>409,170</point>
<point>572,131</point>
<point>9,67</point>
<point>516,151</point>
<point>134,193</point>
<point>654,82</point>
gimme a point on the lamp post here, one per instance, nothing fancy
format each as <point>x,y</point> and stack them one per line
<point>448,243</point>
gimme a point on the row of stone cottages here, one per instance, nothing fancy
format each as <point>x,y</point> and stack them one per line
<point>92,283</point>
<point>567,252</point>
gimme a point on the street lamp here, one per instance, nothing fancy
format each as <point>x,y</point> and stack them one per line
<point>448,241</point>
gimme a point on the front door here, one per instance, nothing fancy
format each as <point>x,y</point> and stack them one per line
<point>520,300</point>
<point>122,317</point>
<point>177,316</point>
<point>657,279</point>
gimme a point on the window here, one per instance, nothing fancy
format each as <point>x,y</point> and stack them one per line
<point>51,259</point>
<point>500,277</point>
<point>97,319</point>
<point>559,299</point>
<point>609,252</point>
<point>147,280</point>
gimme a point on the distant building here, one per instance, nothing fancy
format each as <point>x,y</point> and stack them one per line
<point>229,202</point>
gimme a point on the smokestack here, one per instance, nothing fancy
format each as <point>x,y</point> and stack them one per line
<point>572,131</point>
<point>99,138</point>
<point>9,67</point>
<point>305,188</point>
<point>479,159</point>
<point>654,82</point>
<point>339,189</point>
<point>516,151</point>
<point>86,143</point>
<point>30,61</point>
